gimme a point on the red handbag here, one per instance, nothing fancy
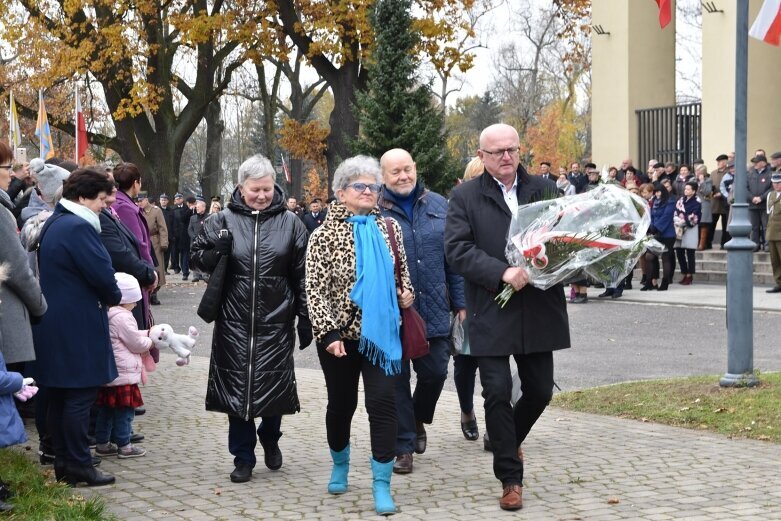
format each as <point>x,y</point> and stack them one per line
<point>413,328</point>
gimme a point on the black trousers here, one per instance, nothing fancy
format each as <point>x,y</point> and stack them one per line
<point>68,421</point>
<point>508,426</point>
<point>243,438</point>
<point>173,252</point>
<point>341,380</point>
<point>686,260</point>
<point>667,261</point>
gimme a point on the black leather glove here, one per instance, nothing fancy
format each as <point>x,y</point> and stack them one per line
<point>304,329</point>
<point>223,243</point>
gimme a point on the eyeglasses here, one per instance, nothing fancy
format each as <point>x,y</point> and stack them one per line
<point>7,167</point>
<point>500,153</point>
<point>361,187</point>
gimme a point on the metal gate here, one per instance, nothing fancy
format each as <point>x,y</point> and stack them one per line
<point>670,134</point>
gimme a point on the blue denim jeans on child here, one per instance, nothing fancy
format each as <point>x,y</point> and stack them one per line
<point>114,425</point>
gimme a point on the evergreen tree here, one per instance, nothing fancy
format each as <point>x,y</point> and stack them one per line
<point>396,111</point>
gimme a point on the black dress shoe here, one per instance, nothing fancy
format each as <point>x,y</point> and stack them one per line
<point>136,438</point>
<point>154,300</point>
<point>140,411</point>
<point>89,475</point>
<point>242,473</point>
<point>420,438</point>
<point>273,456</point>
<point>607,293</point>
<point>403,464</point>
<point>627,285</point>
<point>5,492</point>
<point>776,289</point>
<point>470,430</point>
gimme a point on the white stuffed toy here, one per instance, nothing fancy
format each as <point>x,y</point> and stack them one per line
<point>163,336</point>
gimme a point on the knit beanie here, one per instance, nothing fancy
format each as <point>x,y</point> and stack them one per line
<point>128,285</point>
<point>49,178</point>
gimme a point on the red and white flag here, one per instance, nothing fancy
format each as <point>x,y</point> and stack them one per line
<point>286,170</point>
<point>665,12</point>
<point>767,26</point>
<point>81,129</point>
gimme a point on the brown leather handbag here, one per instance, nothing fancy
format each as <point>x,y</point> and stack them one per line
<point>413,328</point>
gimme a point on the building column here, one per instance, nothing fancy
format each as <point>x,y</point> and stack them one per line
<point>718,86</point>
<point>633,68</point>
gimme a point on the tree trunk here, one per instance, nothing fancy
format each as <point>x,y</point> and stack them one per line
<point>211,179</point>
<point>344,125</point>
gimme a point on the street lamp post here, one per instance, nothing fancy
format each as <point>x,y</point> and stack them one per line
<point>740,301</point>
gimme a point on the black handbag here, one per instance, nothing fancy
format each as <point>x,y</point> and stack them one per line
<point>211,301</point>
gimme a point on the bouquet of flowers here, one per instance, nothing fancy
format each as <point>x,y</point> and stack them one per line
<point>598,234</point>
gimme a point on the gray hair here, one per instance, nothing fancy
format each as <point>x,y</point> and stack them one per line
<point>256,167</point>
<point>355,167</point>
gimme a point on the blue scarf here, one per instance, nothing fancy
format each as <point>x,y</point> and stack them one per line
<point>375,294</point>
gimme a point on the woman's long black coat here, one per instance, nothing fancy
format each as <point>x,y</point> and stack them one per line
<point>251,372</point>
<point>478,219</point>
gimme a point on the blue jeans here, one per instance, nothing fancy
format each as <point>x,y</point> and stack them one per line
<point>242,437</point>
<point>114,424</point>
<point>431,371</point>
<point>464,372</point>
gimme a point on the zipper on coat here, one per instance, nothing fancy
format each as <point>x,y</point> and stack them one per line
<point>252,316</point>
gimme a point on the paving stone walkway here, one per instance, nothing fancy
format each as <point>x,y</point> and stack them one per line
<point>579,467</point>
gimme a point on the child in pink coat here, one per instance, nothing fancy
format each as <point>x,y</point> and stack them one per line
<point>118,400</point>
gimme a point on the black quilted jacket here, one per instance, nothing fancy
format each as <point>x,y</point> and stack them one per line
<point>251,371</point>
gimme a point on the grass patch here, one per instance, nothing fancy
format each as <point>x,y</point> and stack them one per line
<point>38,497</point>
<point>694,402</point>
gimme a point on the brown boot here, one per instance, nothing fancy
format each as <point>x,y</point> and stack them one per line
<point>512,497</point>
<point>703,238</point>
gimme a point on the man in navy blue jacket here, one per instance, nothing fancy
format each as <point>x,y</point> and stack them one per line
<point>421,214</point>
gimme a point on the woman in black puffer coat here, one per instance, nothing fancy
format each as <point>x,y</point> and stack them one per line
<point>251,371</point>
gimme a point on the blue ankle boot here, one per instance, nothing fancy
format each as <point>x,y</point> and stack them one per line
<point>383,502</point>
<point>338,483</point>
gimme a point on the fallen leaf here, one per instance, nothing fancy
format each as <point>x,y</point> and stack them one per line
<point>720,409</point>
<point>613,501</point>
<point>217,492</point>
<point>697,400</point>
<point>763,437</point>
<point>644,420</point>
<point>684,409</point>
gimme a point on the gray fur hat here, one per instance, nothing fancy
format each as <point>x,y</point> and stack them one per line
<point>49,178</point>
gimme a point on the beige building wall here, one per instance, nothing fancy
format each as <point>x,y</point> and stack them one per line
<point>632,68</point>
<point>718,86</point>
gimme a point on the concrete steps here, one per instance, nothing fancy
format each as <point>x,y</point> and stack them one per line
<point>712,267</point>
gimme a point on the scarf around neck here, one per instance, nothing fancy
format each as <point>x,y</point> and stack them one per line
<point>375,294</point>
<point>83,212</point>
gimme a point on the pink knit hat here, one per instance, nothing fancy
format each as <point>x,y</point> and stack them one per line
<point>128,285</point>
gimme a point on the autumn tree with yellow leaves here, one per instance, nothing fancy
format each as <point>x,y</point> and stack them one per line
<point>158,66</point>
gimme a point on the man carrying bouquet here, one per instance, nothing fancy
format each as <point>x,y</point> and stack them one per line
<point>532,324</point>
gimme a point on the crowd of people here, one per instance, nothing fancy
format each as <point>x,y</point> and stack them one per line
<point>88,252</point>
<point>688,204</point>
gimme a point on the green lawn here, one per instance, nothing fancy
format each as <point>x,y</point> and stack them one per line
<point>695,403</point>
<point>38,497</point>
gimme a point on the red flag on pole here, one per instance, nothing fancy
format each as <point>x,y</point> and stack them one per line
<point>767,26</point>
<point>286,170</point>
<point>665,13</point>
<point>81,129</point>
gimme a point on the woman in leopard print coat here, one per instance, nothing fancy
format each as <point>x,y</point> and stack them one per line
<point>348,258</point>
